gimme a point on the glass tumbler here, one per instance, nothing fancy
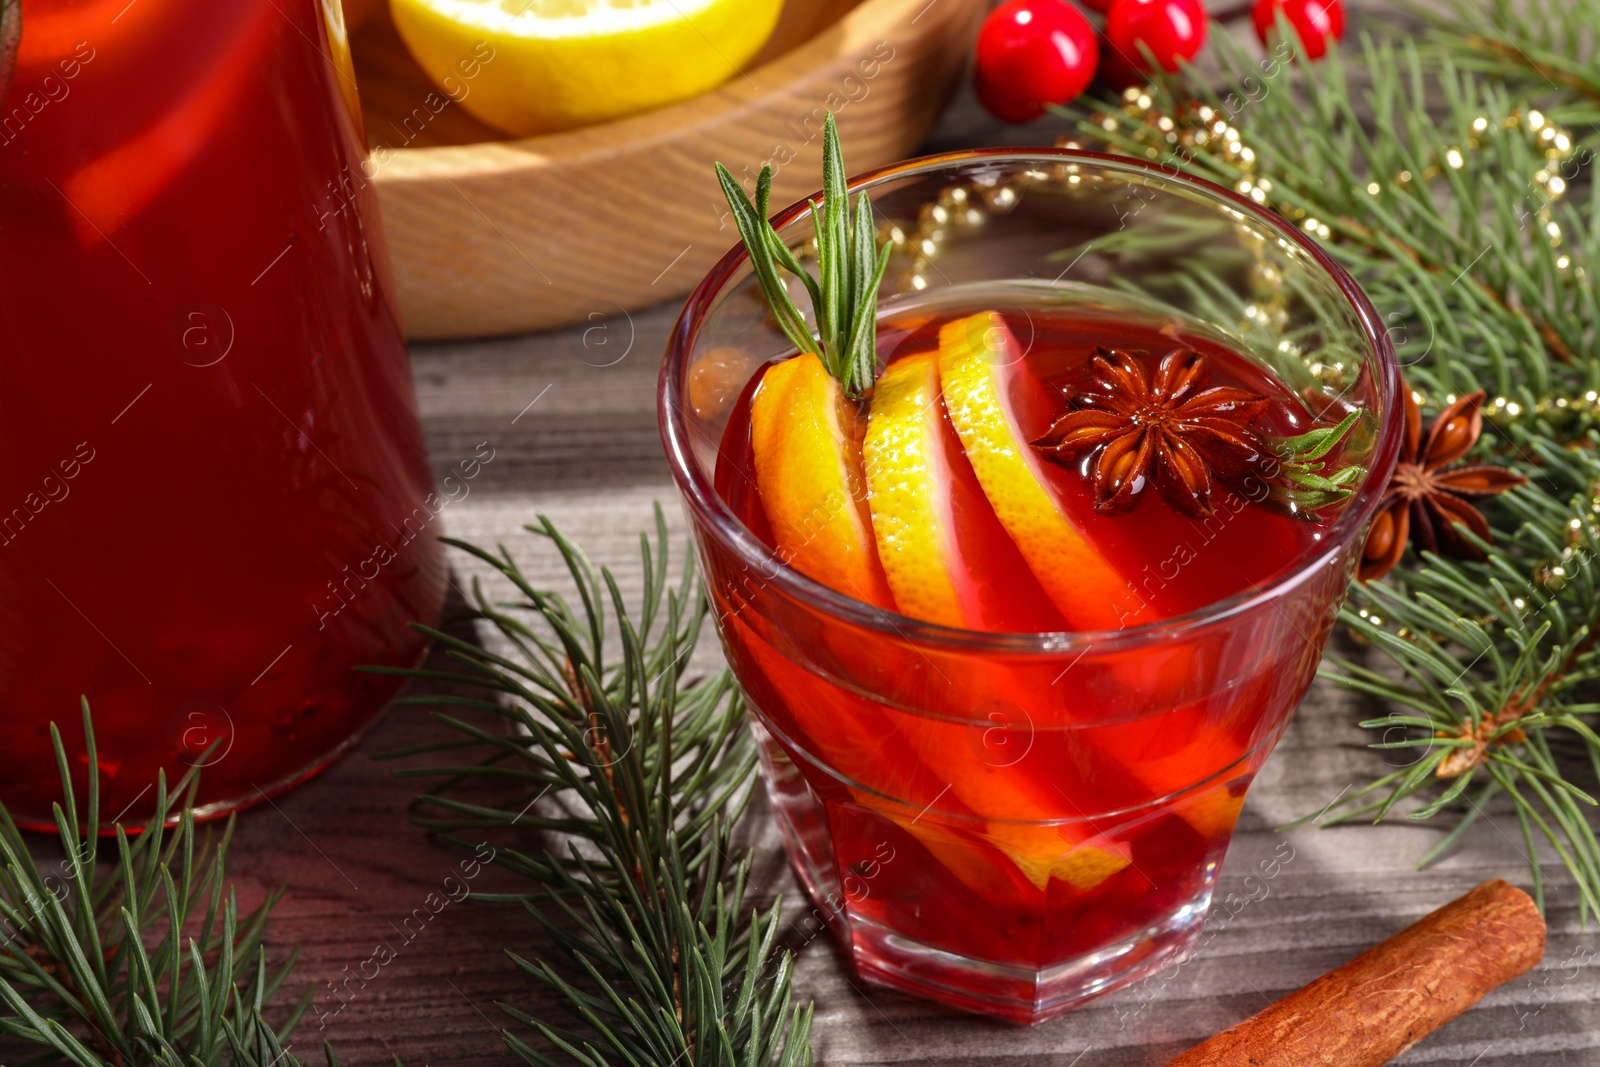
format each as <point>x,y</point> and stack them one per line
<point>907,761</point>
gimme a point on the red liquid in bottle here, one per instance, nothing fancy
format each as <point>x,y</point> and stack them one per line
<point>213,491</point>
<point>1041,814</point>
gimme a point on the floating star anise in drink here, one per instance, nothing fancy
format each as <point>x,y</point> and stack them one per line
<point>1167,430</point>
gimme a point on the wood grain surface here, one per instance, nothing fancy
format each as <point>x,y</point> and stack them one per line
<point>490,235</point>
<point>587,454</point>
<point>570,416</point>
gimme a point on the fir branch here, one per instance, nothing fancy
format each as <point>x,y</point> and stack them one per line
<point>1493,657</point>
<point>146,960</point>
<point>1480,264</point>
<point>1441,217</point>
<point>1546,51</point>
<point>613,782</point>
<point>850,267</point>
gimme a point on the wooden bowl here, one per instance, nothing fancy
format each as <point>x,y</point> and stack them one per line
<point>491,235</point>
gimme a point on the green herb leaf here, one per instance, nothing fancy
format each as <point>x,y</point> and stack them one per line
<point>754,228</point>
<point>1300,482</point>
<point>1316,443</point>
<point>850,268</point>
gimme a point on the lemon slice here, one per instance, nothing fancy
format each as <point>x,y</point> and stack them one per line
<point>982,375</point>
<point>907,480</point>
<point>536,66</point>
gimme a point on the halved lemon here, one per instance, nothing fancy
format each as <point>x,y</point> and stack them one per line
<point>536,66</point>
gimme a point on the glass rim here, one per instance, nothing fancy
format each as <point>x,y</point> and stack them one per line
<point>709,508</point>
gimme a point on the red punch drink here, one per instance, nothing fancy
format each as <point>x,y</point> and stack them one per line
<point>1030,820</point>
<point>1023,590</point>
<point>214,498</point>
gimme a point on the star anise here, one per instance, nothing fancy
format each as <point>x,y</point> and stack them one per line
<point>1167,430</point>
<point>1426,498</point>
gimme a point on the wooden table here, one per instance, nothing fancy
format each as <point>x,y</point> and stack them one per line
<point>571,419</point>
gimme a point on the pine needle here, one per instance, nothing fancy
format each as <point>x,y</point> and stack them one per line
<point>140,958</point>
<point>658,957</point>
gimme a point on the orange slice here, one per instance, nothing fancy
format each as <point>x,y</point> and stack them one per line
<point>806,438</point>
<point>1007,797</point>
<point>1212,812</point>
<point>817,465</point>
<point>908,476</point>
<point>860,740</point>
<point>1046,852</point>
<point>1038,853</point>
<point>805,435</point>
<point>930,557</point>
<point>997,407</point>
<point>947,558</point>
<point>985,386</point>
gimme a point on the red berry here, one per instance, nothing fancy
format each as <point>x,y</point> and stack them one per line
<point>1316,21</point>
<point>1172,30</point>
<point>1032,53</point>
<point>1101,6</point>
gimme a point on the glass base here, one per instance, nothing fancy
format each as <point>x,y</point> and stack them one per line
<point>240,792</point>
<point>1008,992</point>
<point>851,906</point>
<point>133,819</point>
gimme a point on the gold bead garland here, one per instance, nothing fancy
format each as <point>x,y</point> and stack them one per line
<point>1506,411</point>
<point>1208,131</point>
<point>968,204</point>
<point>1582,536</point>
<point>960,205</point>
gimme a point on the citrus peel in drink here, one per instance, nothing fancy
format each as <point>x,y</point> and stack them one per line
<point>1049,852</point>
<point>984,384</point>
<point>908,476</point>
<point>947,558</point>
<point>806,438</point>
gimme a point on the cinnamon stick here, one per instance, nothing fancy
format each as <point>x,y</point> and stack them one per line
<point>1392,996</point>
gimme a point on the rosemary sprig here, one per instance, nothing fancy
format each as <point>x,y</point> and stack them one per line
<point>850,266</point>
<point>1301,480</point>
<point>143,961</point>
<point>588,728</point>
